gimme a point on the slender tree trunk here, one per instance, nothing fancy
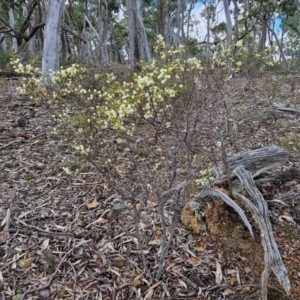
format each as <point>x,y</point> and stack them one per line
<point>161,17</point>
<point>84,46</point>
<point>143,32</point>
<point>228,21</point>
<point>192,6</point>
<point>263,37</point>
<point>236,20</point>
<point>41,36</point>
<point>180,34</point>
<point>103,33</point>
<point>63,48</point>
<point>134,53</point>
<point>119,55</point>
<point>50,61</point>
<point>279,45</point>
<point>208,37</point>
<point>12,25</point>
<point>3,45</point>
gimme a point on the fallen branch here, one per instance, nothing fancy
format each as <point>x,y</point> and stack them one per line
<point>272,256</point>
<point>255,161</point>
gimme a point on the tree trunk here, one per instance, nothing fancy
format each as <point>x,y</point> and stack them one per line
<point>134,53</point>
<point>161,17</point>
<point>103,34</point>
<point>263,37</point>
<point>279,45</point>
<point>3,45</point>
<point>228,21</point>
<point>145,45</point>
<point>12,25</point>
<point>236,20</point>
<point>50,61</point>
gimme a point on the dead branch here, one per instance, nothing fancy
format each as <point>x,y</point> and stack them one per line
<point>255,161</point>
<point>272,256</point>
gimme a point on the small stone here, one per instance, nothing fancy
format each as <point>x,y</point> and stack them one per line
<point>44,295</point>
<point>120,141</point>
<point>137,283</point>
<point>118,204</point>
<point>111,215</point>
<point>119,262</point>
<point>81,223</point>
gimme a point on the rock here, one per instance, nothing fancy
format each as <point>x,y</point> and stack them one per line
<point>119,262</point>
<point>118,204</point>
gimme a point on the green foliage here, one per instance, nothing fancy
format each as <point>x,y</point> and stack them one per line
<point>85,103</point>
<point>220,28</point>
<point>5,58</point>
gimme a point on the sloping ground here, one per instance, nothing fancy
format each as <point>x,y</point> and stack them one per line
<point>60,239</point>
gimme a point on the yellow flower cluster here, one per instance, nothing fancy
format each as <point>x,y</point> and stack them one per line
<point>85,103</point>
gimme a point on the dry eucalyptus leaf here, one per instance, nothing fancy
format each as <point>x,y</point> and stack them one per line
<point>25,263</point>
<point>219,275</point>
<point>92,205</point>
<point>119,261</point>
<point>137,283</point>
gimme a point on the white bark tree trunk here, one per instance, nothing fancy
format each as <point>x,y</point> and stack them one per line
<point>279,45</point>
<point>145,45</point>
<point>12,25</point>
<point>3,45</point>
<point>103,33</point>
<point>134,52</point>
<point>228,21</point>
<point>50,61</point>
<point>236,20</point>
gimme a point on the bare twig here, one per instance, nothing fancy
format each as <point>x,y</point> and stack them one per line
<point>10,143</point>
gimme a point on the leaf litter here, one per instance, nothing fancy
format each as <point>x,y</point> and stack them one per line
<point>61,237</point>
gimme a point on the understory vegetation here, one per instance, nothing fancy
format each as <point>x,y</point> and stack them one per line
<point>153,136</point>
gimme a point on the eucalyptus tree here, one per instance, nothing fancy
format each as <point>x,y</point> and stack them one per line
<point>134,50</point>
<point>209,13</point>
<point>50,60</point>
<point>228,21</point>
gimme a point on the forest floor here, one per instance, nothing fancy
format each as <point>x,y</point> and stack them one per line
<point>59,238</point>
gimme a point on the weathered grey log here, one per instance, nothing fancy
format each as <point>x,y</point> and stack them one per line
<point>260,213</point>
<point>272,255</point>
<point>282,176</point>
<point>255,161</point>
